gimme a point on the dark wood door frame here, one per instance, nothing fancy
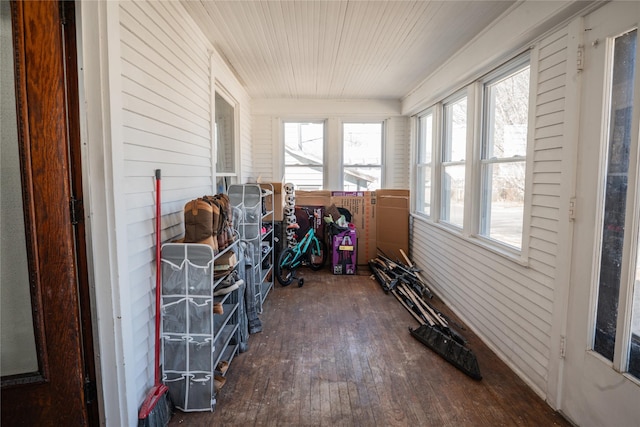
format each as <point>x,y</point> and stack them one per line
<point>77,206</point>
<point>60,392</point>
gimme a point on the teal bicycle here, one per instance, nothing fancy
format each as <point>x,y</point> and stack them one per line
<point>309,251</point>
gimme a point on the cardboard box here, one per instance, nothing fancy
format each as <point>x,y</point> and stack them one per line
<point>392,222</point>
<point>225,261</point>
<point>275,203</point>
<point>362,206</point>
<point>313,198</point>
<point>344,252</point>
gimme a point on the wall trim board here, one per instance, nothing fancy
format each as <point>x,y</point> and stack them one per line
<point>324,107</point>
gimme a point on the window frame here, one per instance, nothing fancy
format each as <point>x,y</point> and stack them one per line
<point>481,222</point>
<point>225,178</point>
<point>380,166</point>
<point>444,162</point>
<point>423,164</point>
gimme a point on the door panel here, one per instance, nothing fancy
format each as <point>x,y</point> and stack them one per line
<point>54,393</point>
<point>597,389</point>
<point>18,345</point>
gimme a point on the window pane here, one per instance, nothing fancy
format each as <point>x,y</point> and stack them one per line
<point>454,150</point>
<point>508,112</point>
<point>503,215</point>
<point>453,194</point>
<point>18,340</point>
<point>455,116</point>
<point>423,169</point>
<point>361,178</point>
<point>362,156</point>
<point>362,144</point>
<point>627,61</point>
<point>303,154</point>
<point>304,177</point>
<point>505,137</point>
<point>224,136</point>
<point>615,199</point>
<point>425,133</point>
<point>423,196</point>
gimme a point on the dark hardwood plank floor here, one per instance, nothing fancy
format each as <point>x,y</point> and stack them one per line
<point>337,352</point>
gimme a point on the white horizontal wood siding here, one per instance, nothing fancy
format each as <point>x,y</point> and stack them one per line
<point>262,134</point>
<point>511,306</point>
<point>397,153</point>
<point>246,144</point>
<point>169,72</point>
<point>166,116</point>
<point>548,155</point>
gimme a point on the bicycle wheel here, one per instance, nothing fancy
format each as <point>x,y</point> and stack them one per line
<point>317,260</point>
<point>283,270</point>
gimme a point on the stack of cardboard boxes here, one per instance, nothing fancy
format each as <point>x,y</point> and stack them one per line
<point>380,218</point>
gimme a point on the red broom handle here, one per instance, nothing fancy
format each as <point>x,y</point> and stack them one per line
<point>158,240</point>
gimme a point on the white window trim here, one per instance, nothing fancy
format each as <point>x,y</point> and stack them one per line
<point>224,93</point>
<point>519,256</point>
<point>442,165</point>
<point>502,71</point>
<point>419,186</point>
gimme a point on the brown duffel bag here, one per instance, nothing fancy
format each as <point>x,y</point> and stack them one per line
<point>200,215</point>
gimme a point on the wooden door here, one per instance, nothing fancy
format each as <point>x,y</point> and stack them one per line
<point>53,392</point>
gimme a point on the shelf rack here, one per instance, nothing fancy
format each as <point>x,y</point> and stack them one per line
<point>194,339</point>
<point>256,203</point>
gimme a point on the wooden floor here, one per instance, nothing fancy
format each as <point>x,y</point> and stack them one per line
<point>337,352</point>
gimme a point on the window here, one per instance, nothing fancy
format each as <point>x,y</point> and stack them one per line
<point>504,148</point>
<point>304,154</point>
<point>615,221</point>
<point>224,139</point>
<point>362,156</point>
<point>454,147</point>
<point>424,162</point>
<point>447,134</point>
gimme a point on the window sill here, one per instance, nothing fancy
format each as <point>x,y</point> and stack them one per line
<point>488,245</point>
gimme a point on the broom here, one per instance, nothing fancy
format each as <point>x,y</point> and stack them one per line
<point>156,408</point>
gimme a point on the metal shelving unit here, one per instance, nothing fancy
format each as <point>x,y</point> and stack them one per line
<point>194,339</point>
<point>256,203</point>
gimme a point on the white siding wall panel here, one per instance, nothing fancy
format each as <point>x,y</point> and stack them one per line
<point>544,224</point>
<point>166,120</point>
<point>262,131</point>
<point>496,310</point>
<point>398,152</point>
<point>246,143</point>
<point>511,305</point>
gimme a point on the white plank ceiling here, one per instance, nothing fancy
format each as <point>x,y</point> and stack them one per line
<point>339,49</point>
